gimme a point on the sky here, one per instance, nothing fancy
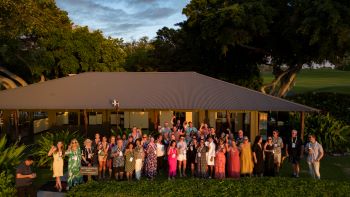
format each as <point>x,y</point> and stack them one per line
<point>127,19</point>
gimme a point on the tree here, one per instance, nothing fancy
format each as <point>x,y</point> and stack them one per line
<point>288,32</point>
<point>38,41</point>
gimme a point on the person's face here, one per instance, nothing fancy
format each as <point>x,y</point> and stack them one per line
<point>138,143</point>
<point>113,140</point>
<point>221,142</point>
<point>97,136</point>
<point>210,139</point>
<point>120,143</point>
<point>173,144</point>
<point>260,140</point>
<point>144,138</point>
<point>166,124</point>
<point>131,146</point>
<point>212,131</point>
<point>74,143</point>
<point>275,134</point>
<point>240,133</point>
<point>269,140</point>
<point>134,130</point>
<point>174,129</point>
<point>59,144</point>
<point>152,140</point>
<point>202,142</point>
<point>312,139</point>
<point>178,121</point>
<point>194,140</point>
<point>130,139</point>
<point>29,162</point>
<point>191,124</point>
<point>104,139</point>
<point>294,134</point>
<point>160,138</point>
<point>124,137</point>
<point>245,141</point>
<point>172,137</point>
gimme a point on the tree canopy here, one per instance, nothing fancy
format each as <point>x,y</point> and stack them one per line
<point>37,39</point>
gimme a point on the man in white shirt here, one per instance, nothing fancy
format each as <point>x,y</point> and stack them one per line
<point>211,156</point>
<point>315,154</point>
<point>277,147</point>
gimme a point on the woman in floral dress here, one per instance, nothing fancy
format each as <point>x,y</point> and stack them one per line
<point>74,163</point>
<point>151,160</point>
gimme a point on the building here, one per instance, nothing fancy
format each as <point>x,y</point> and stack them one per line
<point>146,99</point>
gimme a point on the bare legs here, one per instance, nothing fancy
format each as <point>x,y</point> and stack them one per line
<point>102,168</point>
<point>182,165</point>
<point>58,183</point>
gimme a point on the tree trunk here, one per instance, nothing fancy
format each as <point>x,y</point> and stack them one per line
<point>282,83</point>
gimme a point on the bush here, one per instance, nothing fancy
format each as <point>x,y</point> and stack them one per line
<point>43,145</point>
<point>275,186</point>
<point>6,184</point>
<point>10,155</point>
<point>334,135</point>
<point>338,105</point>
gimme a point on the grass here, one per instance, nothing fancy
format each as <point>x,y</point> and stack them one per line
<point>335,174</point>
<point>318,80</point>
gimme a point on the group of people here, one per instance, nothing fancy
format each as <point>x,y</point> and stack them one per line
<point>206,153</point>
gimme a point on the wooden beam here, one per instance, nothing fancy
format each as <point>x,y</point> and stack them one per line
<point>85,123</point>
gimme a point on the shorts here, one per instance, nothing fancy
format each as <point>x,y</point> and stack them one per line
<point>102,158</point>
<point>294,159</point>
<point>181,157</point>
<point>277,157</point>
<point>119,169</point>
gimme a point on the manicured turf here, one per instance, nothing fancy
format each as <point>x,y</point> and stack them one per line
<point>318,80</point>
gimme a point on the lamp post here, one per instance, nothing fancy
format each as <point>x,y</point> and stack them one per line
<point>115,104</point>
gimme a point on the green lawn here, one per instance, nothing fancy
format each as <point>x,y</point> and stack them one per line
<point>335,173</point>
<point>318,80</point>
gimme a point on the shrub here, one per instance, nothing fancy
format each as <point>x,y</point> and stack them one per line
<point>6,184</point>
<point>338,105</point>
<point>10,155</point>
<point>44,143</point>
<point>276,186</point>
<point>334,135</point>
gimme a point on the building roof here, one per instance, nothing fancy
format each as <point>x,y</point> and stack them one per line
<point>142,90</point>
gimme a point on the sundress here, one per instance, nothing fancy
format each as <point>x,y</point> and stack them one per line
<point>201,161</point>
<point>151,161</point>
<point>129,161</point>
<point>220,162</point>
<point>74,163</point>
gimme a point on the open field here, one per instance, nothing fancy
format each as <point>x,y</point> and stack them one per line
<point>318,80</point>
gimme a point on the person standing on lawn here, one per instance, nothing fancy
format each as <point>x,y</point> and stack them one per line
<point>118,160</point>
<point>129,161</point>
<point>74,163</point>
<point>192,152</point>
<point>220,160</point>
<point>112,144</point>
<point>95,144</point>
<point>57,153</point>
<point>181,158</point>
<point>246,158</point>
<point>201,159</point>
<point>258,157</point>
<point>278,145</point>
<point>269,158</point>
<point>160,153</point>
<point>24,178</point>
<point>315,154</point>
<point>234,166</point>
<point>211,156</point>
<point>102,157</point>
<point>294,150</point>
<point>172,159</point>
<point>139,157</point>
<point>239,139</point>
<point>151,160</point>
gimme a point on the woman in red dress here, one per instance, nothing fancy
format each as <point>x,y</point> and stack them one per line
<point>220,161</point>
<point>234,164</point>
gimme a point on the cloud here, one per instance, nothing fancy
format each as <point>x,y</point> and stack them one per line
<point>129,19</point>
